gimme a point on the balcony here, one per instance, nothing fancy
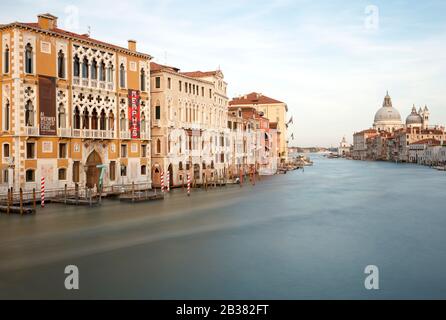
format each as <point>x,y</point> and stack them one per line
<point>93,134</point>
<point>145,136</point>
<point>64,132</point>
<point>32,131</point>
<point>125,135</point>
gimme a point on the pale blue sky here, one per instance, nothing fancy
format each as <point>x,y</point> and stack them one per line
<point>318,56</point>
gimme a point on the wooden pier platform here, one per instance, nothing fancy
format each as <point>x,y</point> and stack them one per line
<point>141,197</point>
<point>17,210</point>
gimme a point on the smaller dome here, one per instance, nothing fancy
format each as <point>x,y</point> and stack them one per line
<point>414,118</point>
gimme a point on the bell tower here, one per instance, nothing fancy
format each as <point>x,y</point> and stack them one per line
<point>425,115</point>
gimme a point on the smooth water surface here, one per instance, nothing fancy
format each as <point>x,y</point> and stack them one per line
<point>304,235</point>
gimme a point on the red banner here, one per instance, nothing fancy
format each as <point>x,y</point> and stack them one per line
<point>134,113</point>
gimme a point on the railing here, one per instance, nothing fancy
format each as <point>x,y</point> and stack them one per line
<point>85,82</point>
<point>145,136</point>
<point>110,86</point>
<point>76,81</point>
<point>31,131</point>
<point>64,132</point>
<point>94,83</point>
<point>102,85</point>
<point>125,135</point>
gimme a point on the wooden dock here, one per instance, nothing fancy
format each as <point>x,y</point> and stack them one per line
<point>141,196</point>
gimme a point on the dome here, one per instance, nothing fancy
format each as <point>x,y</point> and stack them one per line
<point>414,118</point>
<point>387,114</point>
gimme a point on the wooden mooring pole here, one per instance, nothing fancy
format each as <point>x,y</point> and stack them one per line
<point>34,200</point>
<point>21,201</point>
<point>8,201</point>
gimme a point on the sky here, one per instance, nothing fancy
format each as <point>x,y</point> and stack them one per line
<point>331,61</point>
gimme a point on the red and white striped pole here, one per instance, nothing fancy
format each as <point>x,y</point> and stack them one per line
<point>42,192</point>
<point>188,185</point>
<point>168,181</point>
<point>162,181</point>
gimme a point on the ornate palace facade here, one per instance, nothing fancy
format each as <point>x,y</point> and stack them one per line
<point>68,104</point>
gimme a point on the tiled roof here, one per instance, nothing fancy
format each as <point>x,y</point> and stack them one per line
<point>81,37</point>
<point>433,142</point>
<point>200,74</point>
<point>253,98</point>
<point>158,67</point>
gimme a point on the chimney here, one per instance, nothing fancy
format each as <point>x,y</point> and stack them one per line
<point>132,45</point>
<point>47,21</point>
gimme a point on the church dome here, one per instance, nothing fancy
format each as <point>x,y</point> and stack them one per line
<point>414,118</point>
<point>387,114</point>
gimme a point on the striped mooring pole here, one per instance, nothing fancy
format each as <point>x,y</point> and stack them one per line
<point>42,192</point>
<point>162,181</point>
<point>168,181</point>
<point>188,185</point>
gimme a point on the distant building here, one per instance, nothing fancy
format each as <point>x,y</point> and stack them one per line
<point>344,148</point>
<point>274,110</point>
<point>392,140</point>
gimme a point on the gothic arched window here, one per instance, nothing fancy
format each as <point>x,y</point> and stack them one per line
<point>111,121</point>
<point>143,80</point>
<point>143,122</point>
<point>94,70</point>
<point>77,119</point>
<point>76,67</point>
<point>122,76</point>
<point>62,121</point>
<point>103,121</point>
<point>122,121</point>
<point>102,71</point>
<point>6,69</point>
<point>29,58</point>
<point>61,65</point>
<point>85,68</point>
<point>110,73</point>
<point>94,120</point>
<point>29,114</point>
<point>5,117</point>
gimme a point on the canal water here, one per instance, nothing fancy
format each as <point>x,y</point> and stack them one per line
<point>304,235</point>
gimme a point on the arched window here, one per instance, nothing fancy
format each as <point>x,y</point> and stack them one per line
<point>85,68</point>
<point>122,121</point>
<point>94,70</point>
<point>180,166</point>
<point>77,118</point>
<point>86,119</point>
<point>110,73</point>
<point>94,120</point>
<point>5,117</point>
<point>143,80</point>
<point>143,122</point>
<point>61,65</point>
<point>6,69</point>
<point>143,170</point>
<point>62,118</point>
<point>29,114</point>
<point>111,121</point>
<point>122,76</point>
<point>29,58</point>
<point>103,121</point>
<point>102,71</point>
<point>158,146</point>
<point>76,67</point>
